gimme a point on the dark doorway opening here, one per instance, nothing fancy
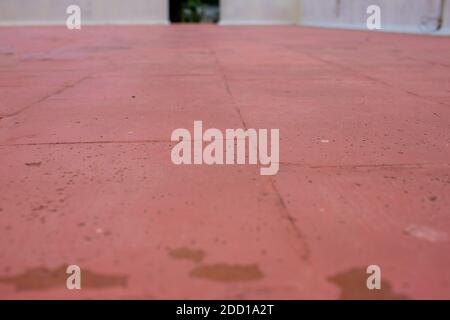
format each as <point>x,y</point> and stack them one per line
<point>194,11</point>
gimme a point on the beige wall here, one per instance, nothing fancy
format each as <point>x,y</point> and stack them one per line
<point>258,11</point>
<point>92,11</point>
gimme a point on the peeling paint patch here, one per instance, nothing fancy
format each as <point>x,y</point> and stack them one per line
<point>426,233</point>
<point>353,286</point>
<point>228,273</point>
<point>42,278</point>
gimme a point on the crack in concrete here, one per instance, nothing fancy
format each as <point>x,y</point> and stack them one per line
<point>346,68</point>
<point>228,89</point>
<point>59,91</point>
<point>287,215</point>
<point>368,166</point>
<point>85,142</point>
<point>433,63</point>
<point>305,255</point>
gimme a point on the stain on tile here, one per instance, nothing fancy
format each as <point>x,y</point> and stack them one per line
<point>42,278</point>
<point>195,255</point>
<point>33,164</point>
<point>353,286</point>
<point>223,272</point>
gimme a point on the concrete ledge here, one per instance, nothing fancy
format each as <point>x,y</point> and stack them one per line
<point>255,22</point>
<point>53,12</point>
<point>87,23</point>
<point>386,29</point>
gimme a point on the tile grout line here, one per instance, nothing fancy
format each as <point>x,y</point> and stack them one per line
<point>85,142</point>
<point>57,92</point>
<point>285,211</point>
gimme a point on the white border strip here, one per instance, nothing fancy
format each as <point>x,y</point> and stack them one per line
<point>362,27</point>
<point>255,22</point>
<point>87,23</point>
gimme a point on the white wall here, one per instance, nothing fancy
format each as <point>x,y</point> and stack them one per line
<point>446,25</point>
<point>396,15</point>
<point>258,11</point>
<point>92,11</point>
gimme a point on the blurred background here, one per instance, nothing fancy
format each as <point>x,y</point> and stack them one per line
<point>422,16</point>
<point>194,11</point>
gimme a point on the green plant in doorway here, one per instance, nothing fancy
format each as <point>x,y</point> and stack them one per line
<point>192,11</point>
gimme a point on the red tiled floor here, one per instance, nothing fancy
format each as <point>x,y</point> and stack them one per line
<point>86,176</point>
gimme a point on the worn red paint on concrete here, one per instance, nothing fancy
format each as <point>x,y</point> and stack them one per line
<point>86,176</point>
